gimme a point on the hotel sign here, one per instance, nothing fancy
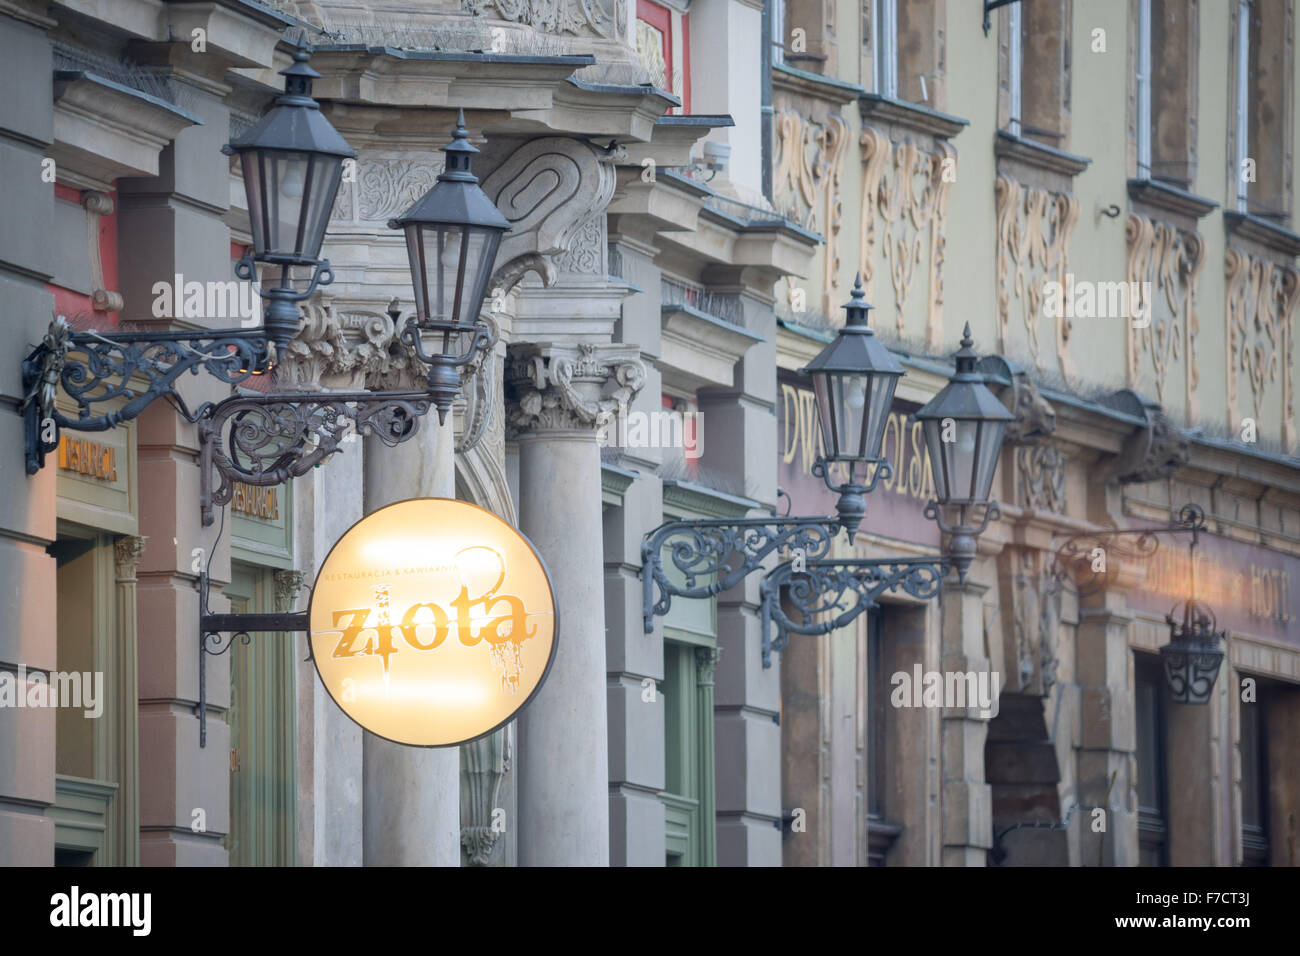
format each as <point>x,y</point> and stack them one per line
<point>1251,590</point>
<point>432,622</point>
<point>896,509</point>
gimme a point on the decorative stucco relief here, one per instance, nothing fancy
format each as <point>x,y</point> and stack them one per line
<point>1040,473</point>
<point>1166,261</point>
<point>384,187</point>
<point>906,187</point>
<point>602,18</point>
<point>1261,302</point>
<point>1033,242</point>
<point>566,387</point>
<point>809,166</point>
<point>554,190</point>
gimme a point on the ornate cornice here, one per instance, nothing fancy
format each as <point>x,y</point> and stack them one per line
<point>570,387</point>
<point>909,116</point>
<point>1170,199</point>
<point>1038,155</point>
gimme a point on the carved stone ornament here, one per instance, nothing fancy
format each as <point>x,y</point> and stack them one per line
<point>1033,242</point>
<point>127,552</point>
<point>1036,604</point>
<point>1154,451</point>
<point>1035,418</point>
<point>1040,477</point>
<point>601,18</point>
<point>554,191</point>
<point>1164,263</point>
<point>484,764</point>
<point>336,349</point>
<point>906,189</point>
<point>1261,300</point>
<point>565,387</point>
<point>288,584</point>
<point>809,165</point>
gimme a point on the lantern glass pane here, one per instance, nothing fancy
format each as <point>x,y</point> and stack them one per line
<point>290,199</point>
<point>825,411</point>
<point>959,456</point>
<point>933,430</point>
<point>880,398</point>
<point>990,445</point>
<point>450,268</point>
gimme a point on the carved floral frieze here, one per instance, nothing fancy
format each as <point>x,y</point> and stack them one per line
<point>1164,264</point>
<point>809,166</point>
<point>904,209</point>
<point>1033,242</point>
<point>1261,303</point>
<point>601,18</point>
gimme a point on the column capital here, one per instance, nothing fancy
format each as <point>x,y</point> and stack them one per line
<point>126,556</point>
<point>575,387</point>
<point>287,585</point>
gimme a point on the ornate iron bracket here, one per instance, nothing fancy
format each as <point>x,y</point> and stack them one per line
<point>238,626</point>
<point>1078,560</point>
<point>110,360</point>
<point>267,439</point>
<point>704,549</point>
<point>821,587</point>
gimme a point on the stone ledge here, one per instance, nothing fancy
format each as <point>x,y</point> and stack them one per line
<point>1154,193</point>
<point>1266,233</point>
<point>919,119</point>
<point>1038,155</point>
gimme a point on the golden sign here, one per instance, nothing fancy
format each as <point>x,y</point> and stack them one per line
<point>88,458</point>
<point>255,501</point>
<point>432,622</point>
<point>902,443</point>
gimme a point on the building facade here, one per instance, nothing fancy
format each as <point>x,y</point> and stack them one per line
<point>692,188</point>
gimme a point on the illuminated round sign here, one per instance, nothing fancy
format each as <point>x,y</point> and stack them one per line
<point>432,622</point>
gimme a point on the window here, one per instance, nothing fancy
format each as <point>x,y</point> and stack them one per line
<point>1262,49</point>
<point>263,740</point>
<point>777,31</point>
<point>887,48</point>
<point>1034,67</point>
<point>1153,830</point>
<point>663,47</point>
<point>1254,784</point>
<point>1165,71</point>
<point>690,655</point>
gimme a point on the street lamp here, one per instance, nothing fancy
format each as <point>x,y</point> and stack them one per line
<point>292,161</point>
<point>854,378</point>
<point>963,427</point>
<point>452,236</point>
<point>1193,655</point>
<point>292,164</point>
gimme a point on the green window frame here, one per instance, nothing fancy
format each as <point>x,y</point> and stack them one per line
<point>263,732</point>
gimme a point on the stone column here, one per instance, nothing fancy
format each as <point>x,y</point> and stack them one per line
<point>411,799</point>
<point>559,391</point>
<point>967,797</point>
<point>124,754</point>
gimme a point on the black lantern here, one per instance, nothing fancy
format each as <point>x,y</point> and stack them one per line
<point>854,378</point>
<point>452,236</point>
<point>963,428</point>
<point>292,161</point>
<point>1192,657</point>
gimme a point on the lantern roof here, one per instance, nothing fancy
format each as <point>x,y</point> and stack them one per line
<point>295,124</point>
<point>966,396</point>
<point>455,199</point>
<point>855,348</point>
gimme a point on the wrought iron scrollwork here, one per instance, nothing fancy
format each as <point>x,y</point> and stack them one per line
<point>830,594</point>
<point>1092,559</point>
<point>267,439</point>
<point>716,554</point>
<point>98,367</point>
